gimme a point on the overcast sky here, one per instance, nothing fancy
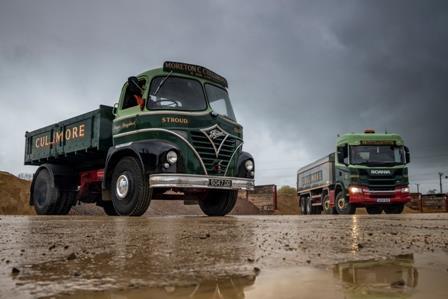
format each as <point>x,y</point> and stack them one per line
<point>299,72</point>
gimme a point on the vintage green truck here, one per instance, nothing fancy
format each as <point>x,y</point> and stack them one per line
<point>172,135</point>
<point>367,170</point>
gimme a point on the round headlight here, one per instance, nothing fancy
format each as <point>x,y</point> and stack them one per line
<point>171,157</point>
<point>249,164</point>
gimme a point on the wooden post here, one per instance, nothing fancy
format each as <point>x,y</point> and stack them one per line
<point>274,196</point>
<point>420,201</point>
<point>446,203</point>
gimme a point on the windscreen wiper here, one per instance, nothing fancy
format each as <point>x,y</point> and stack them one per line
<point>161,83</point>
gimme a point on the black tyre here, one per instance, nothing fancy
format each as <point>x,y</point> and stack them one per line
<point>309,207</point>
<point>218,203</point>
<point>326,208</point>
<point>47,198</point>
<point>302,206</point>
<point>374,210</point>
<point>109,209</point>
<point>343,206</point>
<point>394,209</point>
<point>130,190</point>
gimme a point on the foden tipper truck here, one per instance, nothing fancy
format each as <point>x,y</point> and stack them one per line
<point>368,170</point>
<point>172,135</point>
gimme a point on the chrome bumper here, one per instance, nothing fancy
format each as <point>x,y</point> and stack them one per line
<point>198,182</point>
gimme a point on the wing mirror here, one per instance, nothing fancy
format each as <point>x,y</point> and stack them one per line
<point>407,154</point>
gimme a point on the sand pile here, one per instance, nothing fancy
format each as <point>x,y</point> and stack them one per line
<point>14,195</point>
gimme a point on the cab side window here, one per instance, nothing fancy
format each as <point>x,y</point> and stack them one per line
<point>130,96</point>
<point>343,154</point>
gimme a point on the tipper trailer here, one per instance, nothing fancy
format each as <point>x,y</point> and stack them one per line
<point>367,170</point>
<point>172,135</point>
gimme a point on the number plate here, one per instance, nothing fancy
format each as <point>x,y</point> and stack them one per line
<point>222,183</point>
<point>383,200</point>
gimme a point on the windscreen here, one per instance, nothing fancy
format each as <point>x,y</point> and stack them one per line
<point>219,101</point>
<point>374,154</point>
<point>176,93</point>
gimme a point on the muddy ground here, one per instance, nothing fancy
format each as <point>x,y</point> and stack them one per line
<point>358,256</point>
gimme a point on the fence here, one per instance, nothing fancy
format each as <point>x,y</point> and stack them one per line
<point>429,202</point>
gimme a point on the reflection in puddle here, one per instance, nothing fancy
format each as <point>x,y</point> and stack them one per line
<point>395,276</point>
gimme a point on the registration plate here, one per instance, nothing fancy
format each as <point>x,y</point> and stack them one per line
<point>383,200</point>
<point>221,183</point>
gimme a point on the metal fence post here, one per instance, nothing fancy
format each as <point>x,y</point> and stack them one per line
<point>420,201</point>
<point>274,196</point>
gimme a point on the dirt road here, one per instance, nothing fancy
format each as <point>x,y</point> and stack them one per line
<point>227,257</point>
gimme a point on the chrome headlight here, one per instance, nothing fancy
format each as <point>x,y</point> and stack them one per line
<point>354,190</point>
<point>405,190</point>
<point>171,157</point>
<point>249,164</point>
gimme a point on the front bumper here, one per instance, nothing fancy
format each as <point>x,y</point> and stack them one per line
<point>191,181</point>
<point>374,197</point>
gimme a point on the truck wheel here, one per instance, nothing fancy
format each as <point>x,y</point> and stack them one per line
<point>343,206</point>
<point>374,210</point>
<point>394,209</point>
<point>109,209</point>
<point>302,206</point>
<point>218,203</point>
<point>49,200</point>
<point>326,208</point>
<point>131,194</point>
<point>309,207</point>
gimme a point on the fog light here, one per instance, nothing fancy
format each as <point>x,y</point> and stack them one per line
<point>252,173</point>
<point>171,157</point>
<point>354,190</point>
<point>249,165</point>
<point>166,165</point>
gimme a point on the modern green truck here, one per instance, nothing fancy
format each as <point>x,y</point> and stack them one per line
<point>172,135</point>
<point>367,170</point>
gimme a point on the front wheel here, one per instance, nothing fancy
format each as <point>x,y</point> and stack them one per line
<point>394,209</point>
<point>218,202</point>
<point>343,205</point>
<point>374,210</point>
<point>130,192</point>
<point>326,207</point>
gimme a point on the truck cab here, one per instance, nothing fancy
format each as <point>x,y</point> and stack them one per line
<point>171,135</point>
<point>371,171</point>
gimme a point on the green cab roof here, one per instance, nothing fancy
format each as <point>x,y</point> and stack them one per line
<point>369,138</point>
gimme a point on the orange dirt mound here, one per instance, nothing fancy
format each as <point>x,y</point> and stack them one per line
<point>14,195</point>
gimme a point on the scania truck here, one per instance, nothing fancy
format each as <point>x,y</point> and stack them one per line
<point>172,135</point>
<point>367,170</point>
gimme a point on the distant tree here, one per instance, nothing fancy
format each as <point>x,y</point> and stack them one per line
<point>287,190</point>
<point>432,191</point>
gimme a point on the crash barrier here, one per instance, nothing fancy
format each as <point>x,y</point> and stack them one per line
<point>429,202</point>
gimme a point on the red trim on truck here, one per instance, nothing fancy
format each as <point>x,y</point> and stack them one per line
<point>364,196</point>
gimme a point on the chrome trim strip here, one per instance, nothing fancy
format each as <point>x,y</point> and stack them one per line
<point>231,157</point>
<point>380,191</point>
<point>161,112</point>
<point>197,181</point>
<point>166,131</point>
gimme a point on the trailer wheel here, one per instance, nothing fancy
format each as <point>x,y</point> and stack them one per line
<point>394,209</point>
<point>343,206</point>
<point>131,194</point>
<point>47,198</point>
<point>302,205</point>
<point>374,210</point>
<point>326,207</point>
<point>218,202</point>
<point>309,206</point>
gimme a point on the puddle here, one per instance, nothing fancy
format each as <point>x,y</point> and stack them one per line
<point>399,277</point>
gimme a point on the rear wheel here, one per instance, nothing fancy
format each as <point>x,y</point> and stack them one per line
<point>130,192</point>
<point>218,202</point>
<point>374,210</point>
<point>394,209</point>
<point>343,206</point>
<point>302,205</point>
<point>309,207</point>
<point>109,209</point>
<point>47,198</point>
<point>326,207</point>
